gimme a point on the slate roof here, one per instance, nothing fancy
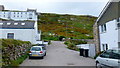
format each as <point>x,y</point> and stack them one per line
<point>17,25</point>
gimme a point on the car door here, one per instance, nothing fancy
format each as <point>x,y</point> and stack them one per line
<point>104,58</point>
<point>114,58</point>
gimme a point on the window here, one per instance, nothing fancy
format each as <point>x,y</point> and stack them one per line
<point>8,23</point>
<point>36,49</point>
<point>118,44</point>
<point>115,56</point>
<point>105,47</point>
<point>1,23</point>
<point>10,35</point>
<point>15,23</point>
<point>118,20</point>
<point>106,54</point>
<point>43,48</point>
<point>22,23</point>
<point>103,28</point>
<point>118,25</point>
<point>30,17</point>
<point>30,14</point>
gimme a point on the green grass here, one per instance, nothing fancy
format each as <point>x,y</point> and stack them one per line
<point>18,61</point>
<point>62,25</point>
<point>12,43</point>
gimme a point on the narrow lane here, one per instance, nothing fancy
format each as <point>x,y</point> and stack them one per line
<point>59,55</point>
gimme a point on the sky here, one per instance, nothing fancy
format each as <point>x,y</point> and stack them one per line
<point>75,7</point>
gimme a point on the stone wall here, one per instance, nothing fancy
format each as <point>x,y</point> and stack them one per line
<point>11,52</point>
<point>96,37</point>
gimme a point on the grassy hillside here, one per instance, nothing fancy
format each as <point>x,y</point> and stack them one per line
<point>71,26</point>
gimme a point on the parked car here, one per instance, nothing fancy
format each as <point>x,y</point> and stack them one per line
<point>109,58</point>
<point>37,51</point>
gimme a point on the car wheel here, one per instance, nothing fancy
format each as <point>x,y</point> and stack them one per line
<point>98,65</point>
<point>42,57</point>
<point>30,57</point>
<point>45,54</point>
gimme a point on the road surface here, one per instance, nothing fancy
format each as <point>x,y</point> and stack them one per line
<point>59,55</point>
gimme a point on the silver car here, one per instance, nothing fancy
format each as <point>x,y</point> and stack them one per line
<point>109,58</point>
<point>37,51</point>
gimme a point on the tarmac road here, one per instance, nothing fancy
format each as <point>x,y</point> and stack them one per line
<point>59,55</point>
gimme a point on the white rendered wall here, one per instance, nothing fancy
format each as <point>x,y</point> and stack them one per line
<point>20,34</point>
<point>109,37</point>
<point>21,15</point>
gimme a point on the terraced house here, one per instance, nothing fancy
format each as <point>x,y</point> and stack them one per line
<point>20,25</point>
<point>107,27</point>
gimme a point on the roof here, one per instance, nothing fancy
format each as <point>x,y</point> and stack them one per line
<point>110,12</point>
<point>16,25</point>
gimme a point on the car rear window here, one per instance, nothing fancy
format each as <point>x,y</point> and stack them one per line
<point>36,49</point>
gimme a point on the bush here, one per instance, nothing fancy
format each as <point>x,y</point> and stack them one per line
<point>71,44</point>
<point>61,38</point>
<point>19,60</point>
<point>98,54</point>
<point>47,37</point>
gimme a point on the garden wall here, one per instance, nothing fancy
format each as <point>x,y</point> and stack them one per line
<point>13,49</point>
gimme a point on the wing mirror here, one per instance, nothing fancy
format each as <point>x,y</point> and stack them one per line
<point>101,55</point>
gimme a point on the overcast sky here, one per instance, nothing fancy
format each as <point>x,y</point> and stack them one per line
<point>76,7</point>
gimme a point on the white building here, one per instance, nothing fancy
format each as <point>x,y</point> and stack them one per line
<point>30,14</point>
<point>20,16</point>
<point>108,25</point>
<point>20,30</point>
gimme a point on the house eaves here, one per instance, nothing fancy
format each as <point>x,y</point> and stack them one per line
<point>110,12</point>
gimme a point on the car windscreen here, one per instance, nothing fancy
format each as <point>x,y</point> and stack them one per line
<point>116,54</point>
<point>35,49</point>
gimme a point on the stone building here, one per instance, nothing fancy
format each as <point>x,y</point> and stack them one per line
<point>107,27</point>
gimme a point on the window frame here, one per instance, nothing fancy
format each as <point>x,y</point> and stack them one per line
<point>103,28</point>
<point>10,36</point>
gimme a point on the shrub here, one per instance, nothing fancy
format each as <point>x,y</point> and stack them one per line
<point>71,44</point>
<point>19,60</point>
<point>61,38</point>
<point>98,54</point>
